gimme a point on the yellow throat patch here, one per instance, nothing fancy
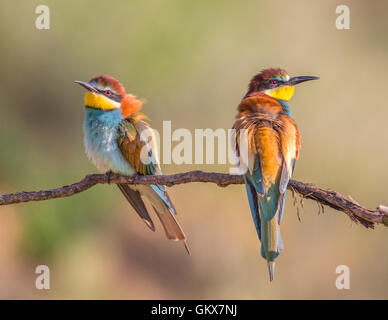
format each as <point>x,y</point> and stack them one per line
<point>99,101</point>
<point>283,93</point>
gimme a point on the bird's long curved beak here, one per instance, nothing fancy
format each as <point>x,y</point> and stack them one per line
<point>295,80</point>
<point>87,86</point>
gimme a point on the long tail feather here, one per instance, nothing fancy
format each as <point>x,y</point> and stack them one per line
<point>271,269</point>
<point>137,203</point>
<point>165,212</point>
<point>271,206</point>
<point>172,228</point>
<point>271,241</point>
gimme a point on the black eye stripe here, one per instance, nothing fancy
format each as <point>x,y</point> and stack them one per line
<point>270,84</point>
<point>113,96</point>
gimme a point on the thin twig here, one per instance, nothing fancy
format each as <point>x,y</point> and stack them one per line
<point>332,199</point>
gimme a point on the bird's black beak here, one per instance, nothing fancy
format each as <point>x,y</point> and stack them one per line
<point>87,86</point>
<point>296,80</point>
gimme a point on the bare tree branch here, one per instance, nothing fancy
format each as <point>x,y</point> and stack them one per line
<point>335,200</point>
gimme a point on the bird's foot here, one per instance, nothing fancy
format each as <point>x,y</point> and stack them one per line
<point>108,175</point>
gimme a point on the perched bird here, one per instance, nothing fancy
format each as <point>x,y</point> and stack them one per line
<point>267,143</point>
<point>118,140</point>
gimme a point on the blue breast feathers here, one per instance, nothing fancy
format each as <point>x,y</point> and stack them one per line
<point>286,107</point>
<point>100,129</point>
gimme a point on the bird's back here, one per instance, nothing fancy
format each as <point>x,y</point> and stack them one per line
<point>272,134</point>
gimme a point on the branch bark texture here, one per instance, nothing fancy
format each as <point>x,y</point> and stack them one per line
<point>357,213</point>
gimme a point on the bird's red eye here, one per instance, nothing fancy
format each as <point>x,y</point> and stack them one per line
<point>108,92</point>
<point>274,82</point>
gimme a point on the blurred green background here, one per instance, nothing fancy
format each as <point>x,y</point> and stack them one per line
<point>192,61</point>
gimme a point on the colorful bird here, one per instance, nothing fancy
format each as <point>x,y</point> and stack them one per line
<point>267,143</point>
<point>118,140</point>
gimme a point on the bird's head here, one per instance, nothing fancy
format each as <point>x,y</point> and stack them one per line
<point>107,93</point>
<point>103,92</point>
<point>275,83</point>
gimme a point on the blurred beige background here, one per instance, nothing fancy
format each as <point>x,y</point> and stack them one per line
<point>192,60</point>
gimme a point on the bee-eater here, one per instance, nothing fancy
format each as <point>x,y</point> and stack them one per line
<point>272,145</point>
<point>118,140</point>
